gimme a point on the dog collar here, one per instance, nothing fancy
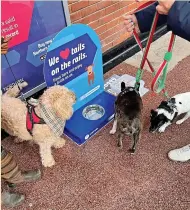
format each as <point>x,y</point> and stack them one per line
<point>128,89</point>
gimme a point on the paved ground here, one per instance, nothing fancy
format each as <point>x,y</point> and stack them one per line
<point>156,54</point>
<point>97,176</point>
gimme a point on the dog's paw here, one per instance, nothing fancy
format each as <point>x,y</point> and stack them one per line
<point>23,84</point>
<point>120,146</point>
<point>132,150</point>
<point>161,129</point>
<point>179,122</point>
<point>112,131</point>
<point>18,140</point>
<point>48,162</point>
<point>59,144</point>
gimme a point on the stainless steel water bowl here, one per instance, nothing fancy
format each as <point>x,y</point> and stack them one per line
<point>93,112</point>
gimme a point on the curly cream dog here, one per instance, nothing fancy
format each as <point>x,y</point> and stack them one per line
<point>13,113</point>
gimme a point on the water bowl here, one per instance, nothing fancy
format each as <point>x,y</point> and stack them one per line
<point>93,112</point>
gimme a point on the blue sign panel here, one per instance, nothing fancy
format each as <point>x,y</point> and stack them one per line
<point>74,59</point>
<point>32,30</point>
<point>69,62</point>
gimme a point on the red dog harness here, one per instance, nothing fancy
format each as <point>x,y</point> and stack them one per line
<point>32,118</point>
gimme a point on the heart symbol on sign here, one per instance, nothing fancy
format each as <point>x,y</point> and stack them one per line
<point>65,53</point>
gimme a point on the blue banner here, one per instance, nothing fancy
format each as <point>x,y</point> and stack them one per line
<point>27,52</point>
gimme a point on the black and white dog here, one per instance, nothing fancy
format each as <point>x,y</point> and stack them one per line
<point>128,115</point>
<point>168,111</point>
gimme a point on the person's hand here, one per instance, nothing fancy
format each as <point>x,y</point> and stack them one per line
<point>4,45</point>
<point>130,22</point>
<point>164,6</point>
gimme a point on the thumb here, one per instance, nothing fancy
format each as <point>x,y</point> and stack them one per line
<point>134,19</point>
<point>160,9</point>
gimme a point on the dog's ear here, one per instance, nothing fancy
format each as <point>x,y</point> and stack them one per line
<point>164,103</point>
<point>63,108</point>
<point>172,100</point>
<point>122,86</point>
<point>153,113</point>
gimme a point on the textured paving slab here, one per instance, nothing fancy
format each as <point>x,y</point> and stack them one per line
<point>158,48</point>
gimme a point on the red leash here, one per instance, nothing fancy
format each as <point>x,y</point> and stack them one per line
<point>163,67</point>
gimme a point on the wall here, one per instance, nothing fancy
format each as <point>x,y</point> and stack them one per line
<point>105,17</point>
